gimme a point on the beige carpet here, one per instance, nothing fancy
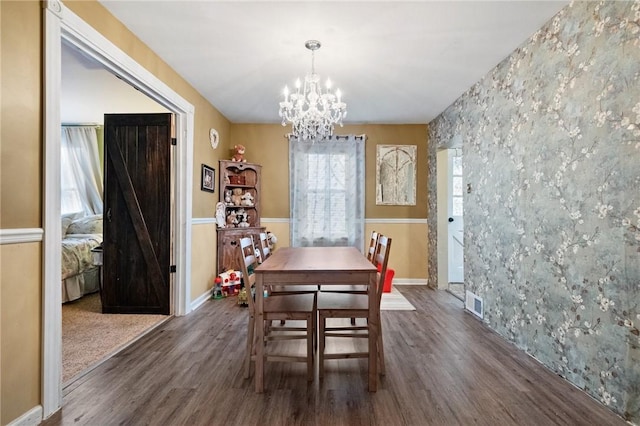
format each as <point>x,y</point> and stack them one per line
<point>395,301</point>
<point>89,336</point>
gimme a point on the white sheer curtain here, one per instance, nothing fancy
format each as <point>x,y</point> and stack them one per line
<point>82,188</point>
<point>327,184</point>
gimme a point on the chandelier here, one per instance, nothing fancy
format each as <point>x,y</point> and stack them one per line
<point>312,111</point>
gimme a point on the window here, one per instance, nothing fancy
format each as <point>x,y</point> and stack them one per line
<point>457,196</point>
<point>327,192</point>
<point>81,175</point>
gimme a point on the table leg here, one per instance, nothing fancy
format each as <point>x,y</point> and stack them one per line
<point>260,333</point>
<point>374,329</point>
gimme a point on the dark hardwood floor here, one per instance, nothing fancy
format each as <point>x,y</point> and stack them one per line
<point>444,367</point>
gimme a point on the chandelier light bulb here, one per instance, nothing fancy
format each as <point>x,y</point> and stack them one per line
<point>312,111</point>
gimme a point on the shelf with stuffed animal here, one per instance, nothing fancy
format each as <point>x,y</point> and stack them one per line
<point>239,192</point>
<point>238,154</point>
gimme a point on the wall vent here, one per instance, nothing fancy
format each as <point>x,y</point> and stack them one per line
<point>474,304</point>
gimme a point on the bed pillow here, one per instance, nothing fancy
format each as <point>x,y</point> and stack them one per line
<point>86,225</point>
<point>66,221</point>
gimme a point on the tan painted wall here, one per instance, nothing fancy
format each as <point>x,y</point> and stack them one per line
<point>206,117</point>
<point>203,247</point>
<point>20,331</point>
<point>21,147</point>
<point>20,206</point>
<point>266,144</point>
<point>409,248</point>
<point>21,113</point>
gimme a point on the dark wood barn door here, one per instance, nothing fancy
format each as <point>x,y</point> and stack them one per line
<point>137,226</point>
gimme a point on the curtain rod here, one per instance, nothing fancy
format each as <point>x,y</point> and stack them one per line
<point>81,125</point>
<point>361,137</point>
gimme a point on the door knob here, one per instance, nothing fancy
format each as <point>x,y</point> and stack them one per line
<point>109,214</point>
<point>450,219</point>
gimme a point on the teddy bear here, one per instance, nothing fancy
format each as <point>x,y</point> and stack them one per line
<point>232,221</point>
<point>236,196</point>
<point>247,199</point>
<point>238,154</point>
<point>271,240</point>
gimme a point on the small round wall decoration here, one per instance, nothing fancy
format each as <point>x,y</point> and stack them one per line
<point>214,138</point>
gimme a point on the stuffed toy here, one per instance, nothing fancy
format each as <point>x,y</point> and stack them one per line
<point>236,196</point>
<point>238,154</point>
<point>247,199</point>
<point>220,219</point>
<point>244,223</point>
<point>271,240</point>
<point>232,221</point>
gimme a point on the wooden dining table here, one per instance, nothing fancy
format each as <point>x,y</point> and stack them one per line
<point>317,266</point>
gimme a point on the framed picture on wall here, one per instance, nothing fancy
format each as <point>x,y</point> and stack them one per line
<point>396,175</point>
<point>208,178</point>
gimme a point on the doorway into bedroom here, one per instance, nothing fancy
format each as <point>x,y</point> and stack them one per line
<point>90,337</point>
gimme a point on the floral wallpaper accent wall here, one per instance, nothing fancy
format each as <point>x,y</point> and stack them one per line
<point>551,147</point>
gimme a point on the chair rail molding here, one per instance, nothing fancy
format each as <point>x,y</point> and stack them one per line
<point>21,235</point>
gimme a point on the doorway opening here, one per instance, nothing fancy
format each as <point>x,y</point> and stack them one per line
<point>455,235</point>
<point>450,196</point>
<point>90,336</point>
<point>63,25</point>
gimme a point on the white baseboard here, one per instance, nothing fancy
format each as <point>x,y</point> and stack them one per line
<point>410,281</point>
<point>200,300</point>
<point>32,417</point>
<point>264,220</point>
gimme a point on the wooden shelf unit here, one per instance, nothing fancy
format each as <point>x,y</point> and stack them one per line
<point>245,177</point>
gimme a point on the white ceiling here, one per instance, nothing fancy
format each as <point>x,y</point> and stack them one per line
<point>394,61</point>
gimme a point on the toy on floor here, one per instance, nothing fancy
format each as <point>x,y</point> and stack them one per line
<point>217,289</point>
<point>231,282</point>
<point>242,298</point>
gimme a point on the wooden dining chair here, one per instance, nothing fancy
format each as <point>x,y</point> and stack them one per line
<point>263,244</point>
<point>373,242</point>
<point>282,307</point>
<point>350,305</point>
<point>356,289</point>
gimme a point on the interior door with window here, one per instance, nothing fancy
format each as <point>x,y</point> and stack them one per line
<point>137,212</point>
<point>456,222</point>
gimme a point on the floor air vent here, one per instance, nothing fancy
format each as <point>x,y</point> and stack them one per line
<point>474,304</point>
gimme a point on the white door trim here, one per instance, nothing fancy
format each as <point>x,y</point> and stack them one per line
<point>63,25</point>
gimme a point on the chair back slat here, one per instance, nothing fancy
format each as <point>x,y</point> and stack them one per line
<point>264,246</point>
<point>381,257</point>
<point>372,246</point>
<point>247,258</point>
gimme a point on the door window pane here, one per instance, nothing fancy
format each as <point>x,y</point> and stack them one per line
<point>457,186</point>
<point>457,206</point>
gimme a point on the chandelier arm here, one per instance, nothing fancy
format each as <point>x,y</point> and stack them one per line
<point>312,111</point>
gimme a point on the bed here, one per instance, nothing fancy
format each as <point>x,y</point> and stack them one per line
<point>79,274</point>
